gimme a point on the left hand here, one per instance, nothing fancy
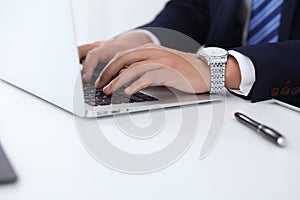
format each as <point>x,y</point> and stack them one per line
<point>153,64</point>
<point>103,51</point>
<point>83,50</point>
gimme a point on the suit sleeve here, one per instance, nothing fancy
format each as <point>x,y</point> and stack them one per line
<point>274,63</point>
<point>189,17</point>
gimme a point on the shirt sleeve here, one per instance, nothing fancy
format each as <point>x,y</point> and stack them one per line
<point>247,73</point>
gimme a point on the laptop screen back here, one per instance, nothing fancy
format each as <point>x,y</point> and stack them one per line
<point>38,51</point>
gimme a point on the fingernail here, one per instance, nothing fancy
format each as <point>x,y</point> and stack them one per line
<point>84,77</point>
<point>97,82</point>
<point>107,89</point>
<point>129,91</point>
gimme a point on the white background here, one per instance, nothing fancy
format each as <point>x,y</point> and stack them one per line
<point>103,19</point>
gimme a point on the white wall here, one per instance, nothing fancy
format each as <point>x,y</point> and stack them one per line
<point>103,19</point>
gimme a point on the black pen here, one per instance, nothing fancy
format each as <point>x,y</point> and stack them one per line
<point>265,131</point>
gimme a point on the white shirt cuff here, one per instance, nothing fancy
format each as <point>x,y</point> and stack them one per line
<point>247,72</point>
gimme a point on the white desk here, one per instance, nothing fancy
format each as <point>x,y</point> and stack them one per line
<point>51,163</point>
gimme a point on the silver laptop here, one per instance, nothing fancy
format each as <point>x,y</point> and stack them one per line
<point>38,54</point>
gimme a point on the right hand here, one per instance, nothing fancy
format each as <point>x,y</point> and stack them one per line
<point>101,52</point>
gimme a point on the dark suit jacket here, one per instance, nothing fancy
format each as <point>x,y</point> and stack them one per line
<point>217,23</point>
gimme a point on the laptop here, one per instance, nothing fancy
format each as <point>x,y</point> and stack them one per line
<point>7,174</point>
<point>39,55</point>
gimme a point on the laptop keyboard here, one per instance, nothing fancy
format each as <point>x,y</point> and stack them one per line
<point>95,97</point>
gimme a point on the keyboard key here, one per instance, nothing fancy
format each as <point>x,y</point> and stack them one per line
<point>96,97</point>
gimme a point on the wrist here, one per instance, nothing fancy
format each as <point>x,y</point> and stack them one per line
<point>232,74</point>
<point>133,39</point>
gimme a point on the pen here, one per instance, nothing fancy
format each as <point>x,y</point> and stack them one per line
<point>265,131</point>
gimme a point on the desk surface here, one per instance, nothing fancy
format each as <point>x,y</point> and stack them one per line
<point>46,151</point>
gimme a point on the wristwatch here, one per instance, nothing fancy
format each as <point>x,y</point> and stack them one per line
<point>216,58</point>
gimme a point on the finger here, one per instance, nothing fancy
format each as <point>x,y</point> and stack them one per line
<point>89,65</point>
<point>84,49</point>
<point>143,82</point>
<point>120,61</point>
<point>131,73</point>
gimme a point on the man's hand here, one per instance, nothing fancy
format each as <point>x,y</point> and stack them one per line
<point>153,64</point>
<point>102,52</point>
<point>83,50</point>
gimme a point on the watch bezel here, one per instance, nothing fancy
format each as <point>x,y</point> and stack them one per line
<point>211,52</point>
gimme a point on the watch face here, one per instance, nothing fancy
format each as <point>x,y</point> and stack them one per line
<point>214,52</point>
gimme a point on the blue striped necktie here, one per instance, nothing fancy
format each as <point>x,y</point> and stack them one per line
<point>264,22</point>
